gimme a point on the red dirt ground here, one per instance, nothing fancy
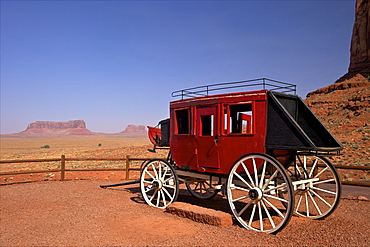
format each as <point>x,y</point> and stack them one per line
<point>80,213</point>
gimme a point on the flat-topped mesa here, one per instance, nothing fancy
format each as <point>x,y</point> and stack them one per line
<point>57,125</point>
<point>47,128</point>
<point>134,129</point>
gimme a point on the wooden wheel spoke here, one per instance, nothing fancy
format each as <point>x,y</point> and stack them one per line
<point>273,207</point>
<point>260,215</point>
<point>240,198</point>
<point>168,179</point>
<point>263,173</point>
<point>242,179</point>
<point>147,172</point>
<point>324,181</point>
<point>255,171</point>
<point>276,198</point>
<point>313,167</point>
<point>317,175</point>
<point>323,190</point>
<point>299,202</point>
<point>307,208</point>
<point>252,214</point>
<point>322,199</point>
<point>244,208</point>
<point>240,188</point>
<point>154,194</point>
<point>268,215</point>
<point>269,180</point>
<point>274,188</point>
<point>155,171</point>
<point>150,189</point>
<point>314,203</point>
<point>248,174</point>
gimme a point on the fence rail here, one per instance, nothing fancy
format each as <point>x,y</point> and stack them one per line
<point>63,168</point>
<point>127,167</point>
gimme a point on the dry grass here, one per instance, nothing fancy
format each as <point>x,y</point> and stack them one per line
<point>30,148</point>
<point>16,148</point>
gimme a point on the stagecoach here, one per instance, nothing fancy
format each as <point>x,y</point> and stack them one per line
<point>262,148</point>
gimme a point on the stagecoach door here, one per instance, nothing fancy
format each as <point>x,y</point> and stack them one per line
<point>207,138</point>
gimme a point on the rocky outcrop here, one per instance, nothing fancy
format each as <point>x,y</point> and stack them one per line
<point>355,82</point>
<point>360,43</point>
<point>57,125</point>
<point>344,108</point>
<point>46,128</point>
<point>134,129</point>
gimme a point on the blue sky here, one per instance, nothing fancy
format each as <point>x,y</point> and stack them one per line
<point>114,63</point>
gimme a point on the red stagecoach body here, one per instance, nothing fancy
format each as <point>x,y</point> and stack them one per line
<point>208,134</point>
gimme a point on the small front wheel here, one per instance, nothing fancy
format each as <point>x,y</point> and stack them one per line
<point>159,183</point>
<point>254,186</point>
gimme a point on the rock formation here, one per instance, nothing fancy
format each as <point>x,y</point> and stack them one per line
<point>72,128</point>
<point>46,128</point>
<point>360,43</point>
<point>130,129</point>
<point>344,108</point>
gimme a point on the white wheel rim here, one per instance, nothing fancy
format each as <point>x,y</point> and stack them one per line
<point>158,184</point>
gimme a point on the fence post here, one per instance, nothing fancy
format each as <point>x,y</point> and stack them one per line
<point>63,168</point>
<point>127,167</point>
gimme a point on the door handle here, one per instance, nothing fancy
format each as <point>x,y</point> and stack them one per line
<point>216,139</point>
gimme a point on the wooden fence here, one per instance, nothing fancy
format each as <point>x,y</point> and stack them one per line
<point>127,167</point>
<point>63,169</point>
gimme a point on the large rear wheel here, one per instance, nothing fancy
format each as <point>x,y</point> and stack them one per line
<point>254,188</point>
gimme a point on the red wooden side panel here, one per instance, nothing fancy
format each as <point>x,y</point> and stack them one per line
<point>234,146</point>
<point>217,150</point>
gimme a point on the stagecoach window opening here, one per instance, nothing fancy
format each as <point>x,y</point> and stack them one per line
<point>240,119</point>
<point>182,121</point>
<point>207,125</point>
<point>226,120</point>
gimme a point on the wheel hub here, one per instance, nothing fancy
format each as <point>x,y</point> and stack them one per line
<point>255,194</point>
<point>158,184</point>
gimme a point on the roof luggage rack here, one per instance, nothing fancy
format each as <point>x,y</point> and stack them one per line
<point>254,84</point>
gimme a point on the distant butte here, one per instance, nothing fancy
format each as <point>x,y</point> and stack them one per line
<point>134,129</point>
<point>46,128</point>
<point>70,128</point>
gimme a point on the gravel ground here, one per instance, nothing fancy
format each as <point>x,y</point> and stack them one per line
<point>80,213</point>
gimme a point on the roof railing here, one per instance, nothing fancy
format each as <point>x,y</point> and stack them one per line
<point>257,84</point>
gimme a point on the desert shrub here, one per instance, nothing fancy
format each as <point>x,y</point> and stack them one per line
<point>99,145</point>
<point>46,146</point>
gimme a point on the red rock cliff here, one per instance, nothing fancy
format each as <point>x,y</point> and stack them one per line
<point>360,43</point>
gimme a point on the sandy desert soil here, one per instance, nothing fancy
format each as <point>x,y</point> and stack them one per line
<point>80,213</point>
